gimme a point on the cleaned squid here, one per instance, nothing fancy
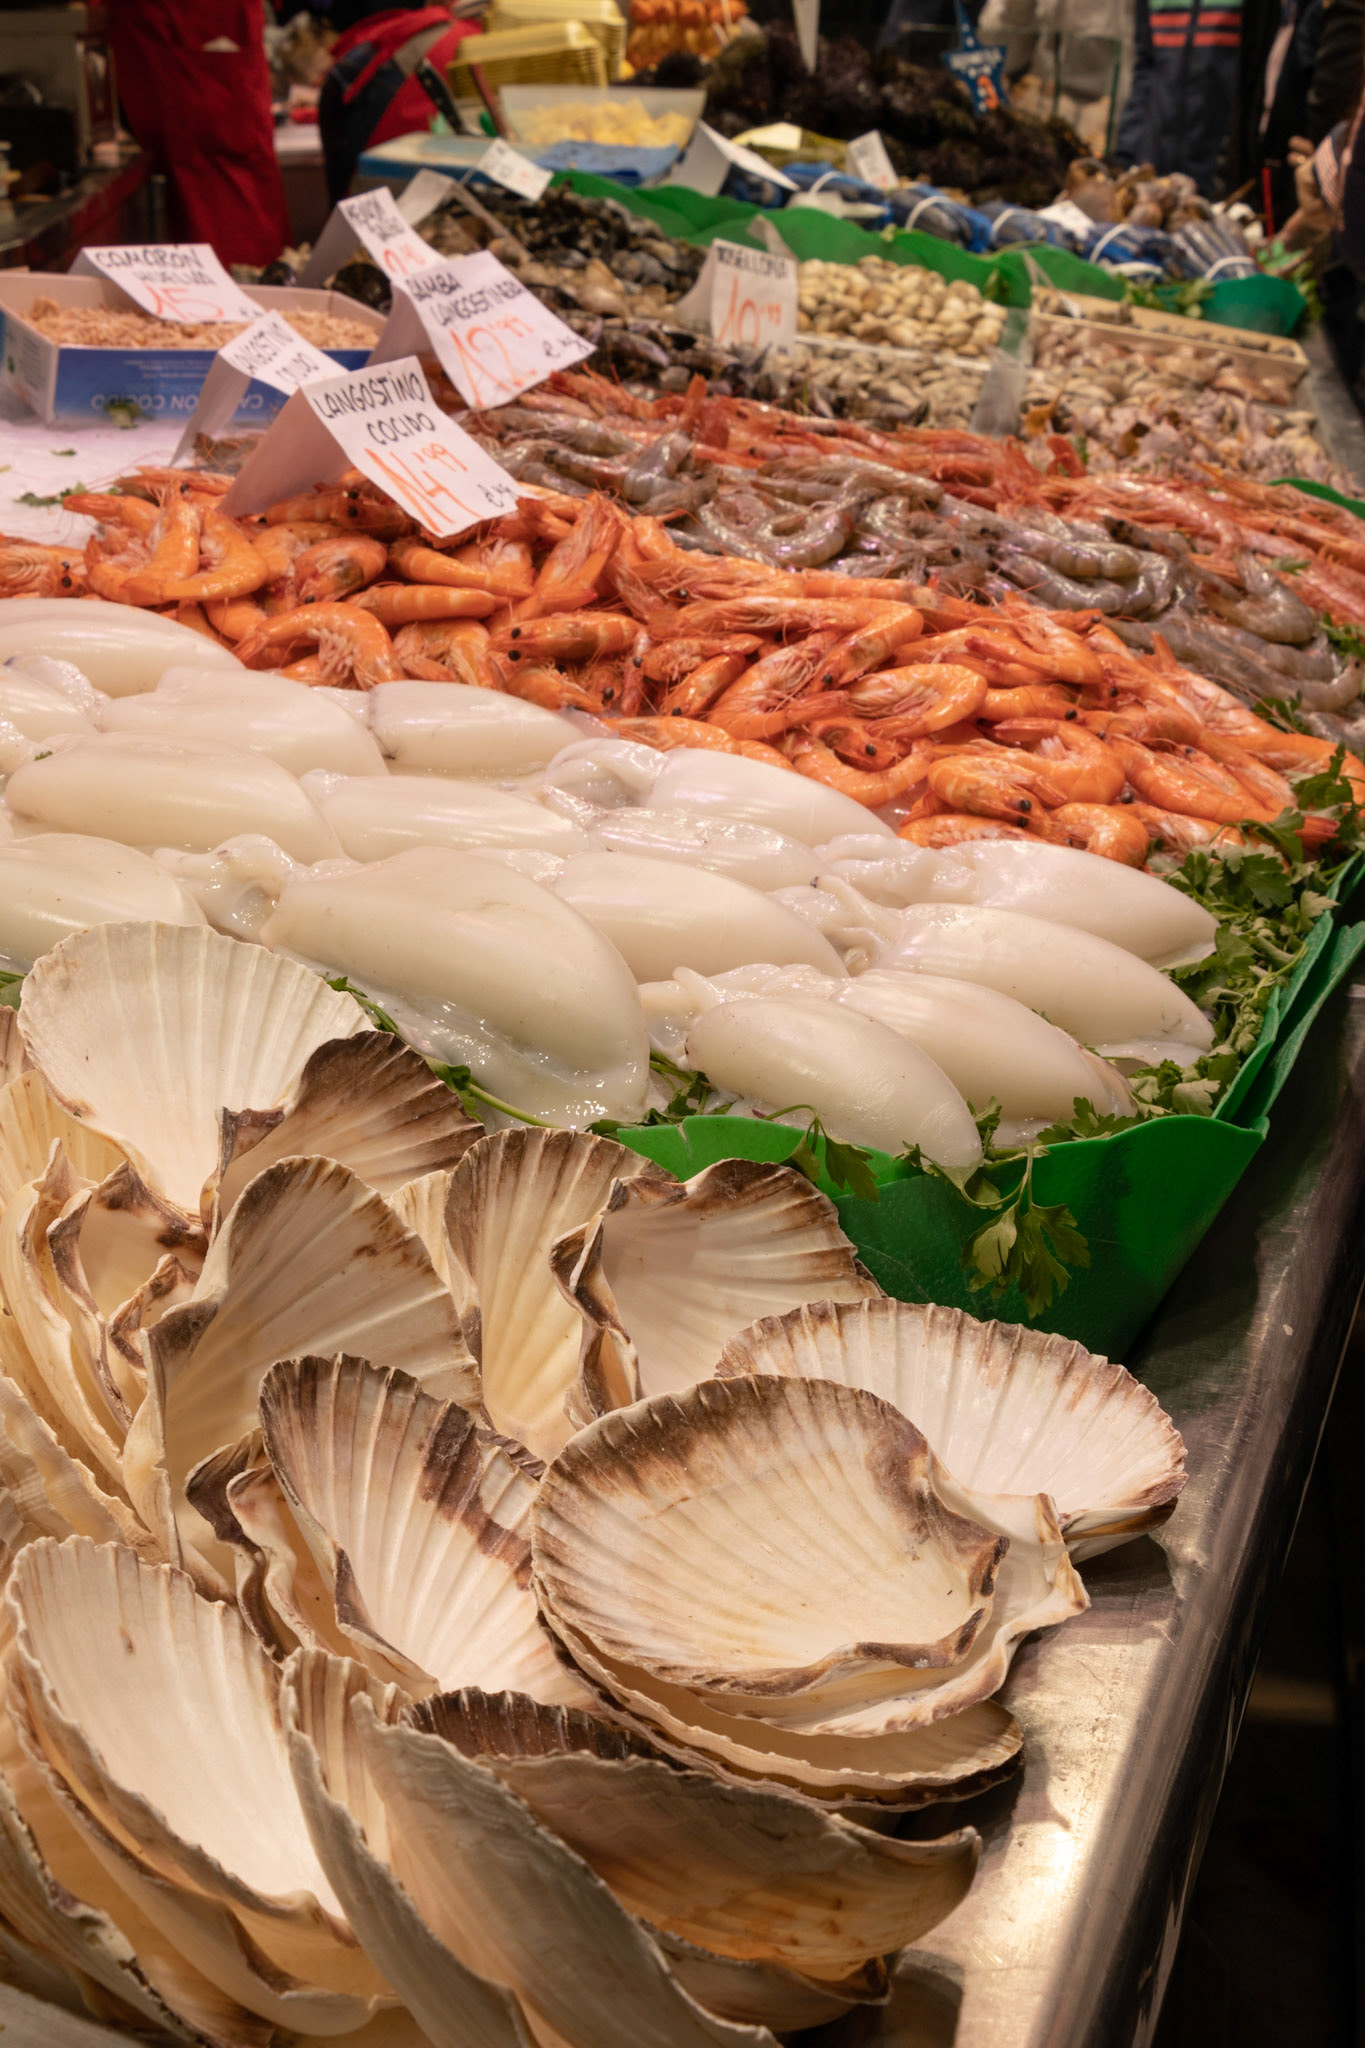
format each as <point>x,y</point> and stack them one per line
<point>483,968</point>
<point>612,772</point>
<point>298,727</point>
<point>375,815</point>
<point>1099,993</point>
<point>865,1081</point>
<point>148,791</point>
<point>661,915</point>
<point>456,729</point>
<point>120,648</point>
<point>57,883</point>
<point>755,854</point>
<point>37,697</point>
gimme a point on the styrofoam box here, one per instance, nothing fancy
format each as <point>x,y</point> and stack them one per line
<point>61,383</point>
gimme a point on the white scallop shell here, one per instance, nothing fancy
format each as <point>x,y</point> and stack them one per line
<point>148,1031</point>
<point>1008,1410</point>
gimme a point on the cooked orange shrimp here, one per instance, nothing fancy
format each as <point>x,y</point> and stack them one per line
<point>114,509</point>
<point>692,732</point>
<point>1256,775</point>
<point>994,787</point>
<point>502,566</point>
<point>1110,830</point>
<point>447,651</point>
<point>572,572</point>
<point>192,615</point>
<point>402,604</point>
<point>148,476</point>
<point>1147,722</point>
<point>671,661</point>
<point>351,644</point>
<point>810,756</point>
<point>922,698</point>
<point>690,697</point>
<point>235,617</point>
<point>341,505</point>
<point>1189,780</point>
<point>566,636</point>
<point>1178,832</point>
<point>169,556</point>
<point>335,568</point>
<point>769,696</point>
<point>761,612</point>
<point>29,569</point>
<point>1028,700</point>
<point>1077,761</point>
<point>1070,660</point>
<point>871,644</point>
<point>950,828</point>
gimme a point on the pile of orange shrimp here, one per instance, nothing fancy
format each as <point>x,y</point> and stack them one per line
<point>1008,721</point>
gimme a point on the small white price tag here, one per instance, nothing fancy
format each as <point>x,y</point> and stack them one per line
<point>509,168</point>
<point>866,158</point>
<point>268,351</point>
<point>383,421</point>
<point>373,220</point>
<point>491,336</point>
<point>807,14</point>
<point>182,281</point>
<point>746,297</point>
<point>423,194</point>
<point>706,162</point>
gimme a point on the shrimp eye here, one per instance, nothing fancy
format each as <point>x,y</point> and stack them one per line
<point>514,655</point>
<point>869,750</point>
<point>516,632</point>
<point>607,696</point>
<point>1024,804</point>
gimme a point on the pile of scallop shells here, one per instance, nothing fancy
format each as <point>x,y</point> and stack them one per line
<point>478,1590</point>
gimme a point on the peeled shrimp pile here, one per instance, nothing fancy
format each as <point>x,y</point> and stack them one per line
<point>968,723</point>
<point>125,327</point>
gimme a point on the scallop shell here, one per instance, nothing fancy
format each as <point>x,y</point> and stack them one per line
<point>308,1257</point>
<point>13,1053</point>
<point>520,1907</point>
<point>148,1031</point>
<point>669,1272</point>
<point>454,2007</point>
<point>140,1701</point>
<point>1008,1410</point>
<point>420,1206</point>
<point>794,1556</point>
<point>511,1199</point>
<point>761,1545</point>
<point>31,1123</point>
<point>368,1101</point>
<point>52,1492</point>
<point>767,1994</point>
<point>419,1532</point>
<point>742,1872</point>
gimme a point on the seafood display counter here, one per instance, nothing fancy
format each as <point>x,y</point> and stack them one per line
<point>1131,1713</point>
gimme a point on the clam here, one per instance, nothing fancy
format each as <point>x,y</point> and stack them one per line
<point>1008,1410</point>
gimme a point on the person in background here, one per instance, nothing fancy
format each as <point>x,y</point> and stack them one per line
<point>1181,102</point>
<point>370,93</point>
<point>195,92</point>
<point>1280,40</point>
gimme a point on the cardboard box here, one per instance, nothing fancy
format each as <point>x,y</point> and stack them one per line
<point>77,385</point>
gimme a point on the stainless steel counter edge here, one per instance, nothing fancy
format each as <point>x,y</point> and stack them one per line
<point>1130,1711</point>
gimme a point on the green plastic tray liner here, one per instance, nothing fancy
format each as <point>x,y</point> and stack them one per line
<point>1269,304</point>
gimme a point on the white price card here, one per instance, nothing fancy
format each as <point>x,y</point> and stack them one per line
<point>181,281</point>
<point>807,14</point>
<point>746,297</point>
<point>383,421</point>
<point>706,162</point>
<point>866,158</point>
<point>491,336</point>
<point>423,194</point>
<point>268,352</point>
<point>509,168</point>
<point>372,221</point>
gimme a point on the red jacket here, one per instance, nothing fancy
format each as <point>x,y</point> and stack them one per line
<point>409,110</point>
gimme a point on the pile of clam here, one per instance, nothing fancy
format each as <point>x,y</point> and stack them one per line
<point>876,300</point>
<point>460,1588</point>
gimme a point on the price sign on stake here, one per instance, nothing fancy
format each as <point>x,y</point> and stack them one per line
<point>508,167</point>
<point>383,421</point>
<point>269,352</point>
<point>709,158</point>
<point>747,297</point>
<point>492,337</point>
<point>373,221</point>
<point>866,158</point>
<point>182,281</point>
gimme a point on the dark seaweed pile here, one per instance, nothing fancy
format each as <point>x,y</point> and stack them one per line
<point>931,130</point>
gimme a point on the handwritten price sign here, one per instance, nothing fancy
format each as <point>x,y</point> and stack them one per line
<point>180,281</point>
<point>746,297</point>
<point>373,220</point>
<point>383,421</point>
<point>491,336</point>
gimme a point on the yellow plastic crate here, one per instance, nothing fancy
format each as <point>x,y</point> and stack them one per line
<point>547,53</point>
<point>602,19</point>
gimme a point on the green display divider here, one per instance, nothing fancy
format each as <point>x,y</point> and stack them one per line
<point>1269,304</point>
<point>1315,490</point>
<point>1143,1198</point>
